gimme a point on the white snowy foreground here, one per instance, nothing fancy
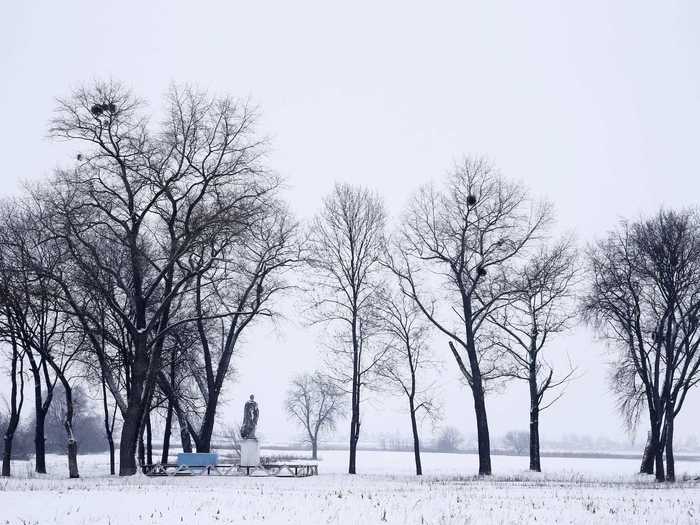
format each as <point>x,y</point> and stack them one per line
<point>570,491</point>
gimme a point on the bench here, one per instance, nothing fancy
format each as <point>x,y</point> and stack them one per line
<point>292,470</point>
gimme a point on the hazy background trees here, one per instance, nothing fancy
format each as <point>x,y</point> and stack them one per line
<point>519,442</point>
<point>316,403</point>
<point>449,440</point>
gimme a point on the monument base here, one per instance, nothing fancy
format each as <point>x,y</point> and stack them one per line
<point>250,453</point>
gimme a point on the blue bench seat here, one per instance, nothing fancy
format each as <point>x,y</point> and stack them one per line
<point>197,459</point>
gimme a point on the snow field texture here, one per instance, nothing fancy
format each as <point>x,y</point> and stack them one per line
<point>569,491</point>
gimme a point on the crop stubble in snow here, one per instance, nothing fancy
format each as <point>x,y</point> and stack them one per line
<point>561,496</point>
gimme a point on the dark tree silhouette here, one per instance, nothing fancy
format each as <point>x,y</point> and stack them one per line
<point>344,253</point>
<point>406,359</point>
<point>541,305</point>
<point>467,233</point>
<point>129,220</point>
<point>644,297</point>
<point>9,427</point>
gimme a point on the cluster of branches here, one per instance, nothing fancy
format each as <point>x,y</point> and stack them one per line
<point>644,297</point>
<point>470,261</point>
<point>142,265</point>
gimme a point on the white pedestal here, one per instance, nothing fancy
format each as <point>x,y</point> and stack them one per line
<point>250,453</point>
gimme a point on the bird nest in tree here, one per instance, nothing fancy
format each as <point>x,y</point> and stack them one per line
<point>99,109</point>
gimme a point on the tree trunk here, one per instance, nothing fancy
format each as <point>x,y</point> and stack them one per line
<point>142,452</point>
<point>355,408</point>
<point>670,461</point>
<point>15,408</point>
<point>139,400</point>
<point>108,427</point>
<point>41,407</point>
<point>658,450</point>
<point>416,441</point>
<point>166,434</point>
<point>534,420</point>
<point>314,448</point>
<point>39,439</point>
<point>203,441</point>
<point>128,442</point>
<point>354,435</point>
<point>7,454</point>
<point>149,441</point>
<point>354,427</point>
<point>73,459</point>
<point>482,429</point>
<point>110,442</point>
<point>477,386</point>
<point>68,423</point>
<point>647,466</point>
<point>185,440</point>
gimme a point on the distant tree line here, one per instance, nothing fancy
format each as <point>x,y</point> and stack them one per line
<point>135,271</point>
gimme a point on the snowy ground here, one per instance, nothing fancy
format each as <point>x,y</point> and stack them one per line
<point>569,491</point>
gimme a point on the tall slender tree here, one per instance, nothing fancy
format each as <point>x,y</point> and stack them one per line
<point>541,305</point>
<point>345,248</point>
<point>408,360</point>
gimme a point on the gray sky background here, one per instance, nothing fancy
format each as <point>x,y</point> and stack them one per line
<point>594,105</point>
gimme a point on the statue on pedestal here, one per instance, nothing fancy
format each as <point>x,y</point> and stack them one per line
<point>250,418</point>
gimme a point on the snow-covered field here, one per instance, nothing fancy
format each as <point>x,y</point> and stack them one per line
<point>569,491</point>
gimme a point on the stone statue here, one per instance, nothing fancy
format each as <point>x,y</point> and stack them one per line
<point>250,418</point>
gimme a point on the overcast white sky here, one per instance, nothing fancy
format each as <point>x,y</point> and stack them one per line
<point>594,105</point>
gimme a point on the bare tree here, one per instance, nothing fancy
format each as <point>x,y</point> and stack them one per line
<point>109,421</point>
<point>540,306</point>
<point>449,440</point>
<point>345,251</point>
<point>467,234</point>
<point>518,442</point>
<point>645,298</point>
<point>40,325</point>
<point>407,359</point>
<point>16,393</point>
<point>129,217</point>
<point>316,403</point>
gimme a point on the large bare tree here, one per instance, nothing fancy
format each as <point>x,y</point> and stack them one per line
<point>644,297</point>
<point>128,217</point>
<point>315,402</point>
<point>345,248</point>
<point>541,305</point>
<point>454,253</point>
